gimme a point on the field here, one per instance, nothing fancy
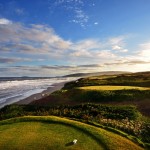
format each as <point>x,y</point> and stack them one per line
<point>58,133</point>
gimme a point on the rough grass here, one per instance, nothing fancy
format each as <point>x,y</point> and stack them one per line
<point>135,79</point>
<point>112,88</point>
<point>57,133</point>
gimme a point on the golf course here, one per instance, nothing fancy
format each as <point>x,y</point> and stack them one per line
<point>98,113</point>
<point>58,133</point>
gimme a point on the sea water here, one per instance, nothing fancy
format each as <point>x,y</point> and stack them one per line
<point>15,89</point>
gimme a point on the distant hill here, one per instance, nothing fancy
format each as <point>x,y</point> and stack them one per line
<point>96,74</point>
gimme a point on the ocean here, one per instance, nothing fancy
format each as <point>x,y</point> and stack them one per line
<point>17,88</point>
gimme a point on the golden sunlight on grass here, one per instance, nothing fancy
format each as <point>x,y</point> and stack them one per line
<point>58,133</point>
<point>111,88</point>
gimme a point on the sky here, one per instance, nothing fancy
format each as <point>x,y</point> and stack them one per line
<point>59,37</point>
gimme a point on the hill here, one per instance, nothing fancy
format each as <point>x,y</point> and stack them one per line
<point>95,74</point>
<point>122,89</point>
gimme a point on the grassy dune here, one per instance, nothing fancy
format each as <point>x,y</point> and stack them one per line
<point>111,88</point>
<point>135,79</point>
<point>57,133</point>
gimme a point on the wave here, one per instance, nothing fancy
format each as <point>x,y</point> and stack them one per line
<point>14,91</point>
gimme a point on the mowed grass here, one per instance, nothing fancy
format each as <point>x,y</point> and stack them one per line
<point>112,88</point>
<point>35,135</point>
<point>54,133</point>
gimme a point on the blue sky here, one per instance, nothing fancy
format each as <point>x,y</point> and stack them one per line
<point>58,37</point>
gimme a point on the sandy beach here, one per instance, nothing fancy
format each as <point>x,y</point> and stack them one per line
<point>38,96</point>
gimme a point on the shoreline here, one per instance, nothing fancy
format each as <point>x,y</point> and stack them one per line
<point>54,87</point>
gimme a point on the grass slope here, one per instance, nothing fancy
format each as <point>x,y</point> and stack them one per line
<point>57,133</point>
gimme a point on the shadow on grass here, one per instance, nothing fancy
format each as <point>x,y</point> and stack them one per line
<point>69,144</point>
<point>97,139</point>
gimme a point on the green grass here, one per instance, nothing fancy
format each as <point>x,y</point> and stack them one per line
<point>133,79</point>
<point>56,133</point>
<point>111,88</point>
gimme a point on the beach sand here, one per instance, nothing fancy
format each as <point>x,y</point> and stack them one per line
<point>45,93</point>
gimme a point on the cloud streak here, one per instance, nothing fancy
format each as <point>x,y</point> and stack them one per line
<point>4,21</point>
<point>79,17</point>
<point>5,60</point>
<point>8,60</point>
<point>144,51</point>
<point>35,42</point>
<point>35,39</point>
<point>58,70</point>
<point>41,40</point>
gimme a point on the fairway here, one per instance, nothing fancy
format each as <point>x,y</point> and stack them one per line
<point>113,88</point>
<point>53,133</point>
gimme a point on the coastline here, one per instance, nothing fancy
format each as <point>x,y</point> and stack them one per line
<point>37,96</point>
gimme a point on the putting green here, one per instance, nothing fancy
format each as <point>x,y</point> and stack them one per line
<point>112,88</point>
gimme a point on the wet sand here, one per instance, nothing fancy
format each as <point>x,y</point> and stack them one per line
<point>45,93</point>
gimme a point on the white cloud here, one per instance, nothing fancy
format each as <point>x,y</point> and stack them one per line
<point>118,44</point>
<point>75,3</point>
<point>96,23</point>
<point>19,11</point>
<point>119,49</point>
<point>34,39</point>
<point>91,49</point>
<point>81,54</point>
<point>105,54</point>
<point>87,44</point>
<point>75,7</point>
<point>41,42</point>
<point>143,52</point>
<point>116,47</point>
<point>117,40</point>
<point>80,17</point>
<point>4,21</point>
<point>124,50</point>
